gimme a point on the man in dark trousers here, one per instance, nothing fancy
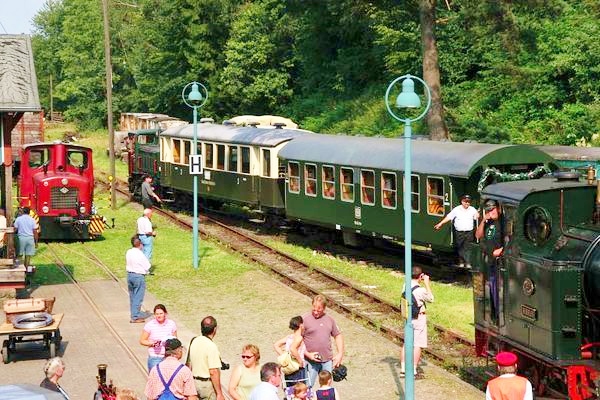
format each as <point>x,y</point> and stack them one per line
<point>148,193</point>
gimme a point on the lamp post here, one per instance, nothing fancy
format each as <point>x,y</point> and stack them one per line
<point>195,100</point>
<point>408,99</point>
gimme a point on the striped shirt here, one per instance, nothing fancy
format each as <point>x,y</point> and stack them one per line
<point>182,386</point>
<point>162,332</point>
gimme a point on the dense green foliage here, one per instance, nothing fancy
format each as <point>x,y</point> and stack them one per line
<point>511,71</point>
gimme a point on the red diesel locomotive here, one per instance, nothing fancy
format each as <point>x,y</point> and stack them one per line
<point>56,181</point>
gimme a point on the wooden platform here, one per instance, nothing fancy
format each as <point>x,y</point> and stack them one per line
<point>9,329</point>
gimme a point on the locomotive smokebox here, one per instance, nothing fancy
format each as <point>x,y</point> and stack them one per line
<point>591,265</point>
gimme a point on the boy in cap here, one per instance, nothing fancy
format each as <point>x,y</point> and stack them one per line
<point>175,375</point>
<point>463,218</point>
<point>508,386</point>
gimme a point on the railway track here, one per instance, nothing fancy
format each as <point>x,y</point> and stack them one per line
<point>447,347</point>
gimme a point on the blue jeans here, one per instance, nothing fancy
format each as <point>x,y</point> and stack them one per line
<point>314,368</point>
<point>153,361</point>
<point>136,285</point>
<point>147,241</point>
<point>298,376</point>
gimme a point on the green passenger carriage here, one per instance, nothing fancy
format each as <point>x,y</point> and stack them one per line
<point>240,164</point>
<point>354,184</point>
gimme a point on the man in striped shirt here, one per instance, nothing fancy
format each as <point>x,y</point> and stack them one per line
<point>182,385</point>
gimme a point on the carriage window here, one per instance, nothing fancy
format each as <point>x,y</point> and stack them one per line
<point>388,190</point>
<point>328,176</point>
<point>187,145</point>
<point>347,184</point>
<point>221,156</point>
<point>435,196</point>
<point>232,163</point>
<point>414,193</point>
<point>77,159</point>
<point>367,186</point>
<point>310,180</point>
<point>177,151</point>
<point>245,160</point>
<point>208,153</point>
<point>266,162</point>
<point>294,177</point>
<point>38,157</point>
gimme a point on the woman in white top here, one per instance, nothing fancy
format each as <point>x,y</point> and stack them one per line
<point>294,343</point>
<point>155,332</point>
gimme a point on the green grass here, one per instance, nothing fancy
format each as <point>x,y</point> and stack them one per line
<point>178,281</point>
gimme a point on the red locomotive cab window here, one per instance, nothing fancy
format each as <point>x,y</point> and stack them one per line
<point>77,159</point>
<point>38,157</point>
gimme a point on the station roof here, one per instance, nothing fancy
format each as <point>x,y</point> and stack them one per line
<point>234,134</point>
<point>427,156</point>
<point>18,83</point>
<point>518,190</point>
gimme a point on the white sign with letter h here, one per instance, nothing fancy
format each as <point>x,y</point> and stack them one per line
<point>195,164</point>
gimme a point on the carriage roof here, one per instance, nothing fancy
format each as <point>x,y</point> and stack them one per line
<point>234,134</point>
<point>427,156</point>
<point>518,190</point>
<point>572,152</point>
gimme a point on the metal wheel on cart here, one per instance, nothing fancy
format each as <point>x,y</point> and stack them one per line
<point>5,357</point>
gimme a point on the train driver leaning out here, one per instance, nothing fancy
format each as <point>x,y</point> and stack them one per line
<point>508,385</point>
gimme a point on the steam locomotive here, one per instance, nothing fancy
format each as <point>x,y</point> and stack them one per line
<point>56,181</point>
<point>548,284</point>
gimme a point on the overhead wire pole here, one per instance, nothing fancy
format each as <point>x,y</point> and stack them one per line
<point>109,119</point>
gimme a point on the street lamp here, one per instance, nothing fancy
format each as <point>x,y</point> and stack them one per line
<point>408,99</point>
<point>195,100</point>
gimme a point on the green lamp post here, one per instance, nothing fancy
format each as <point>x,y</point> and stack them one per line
<point>195,100</point>
<point>408,99</point>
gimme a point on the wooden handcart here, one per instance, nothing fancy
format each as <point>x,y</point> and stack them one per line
<point>49,336</point>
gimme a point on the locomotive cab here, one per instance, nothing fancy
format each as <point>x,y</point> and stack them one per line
<point>57,182</point>
<point>547,284</point>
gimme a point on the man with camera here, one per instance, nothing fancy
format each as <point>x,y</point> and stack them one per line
<point>422,295</point>
<point>205,362</point>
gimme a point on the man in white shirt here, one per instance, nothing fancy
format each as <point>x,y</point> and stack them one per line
<point>146,233</point>
<point>463,217</point>
<point>137,266</point>
<point>270,375</point>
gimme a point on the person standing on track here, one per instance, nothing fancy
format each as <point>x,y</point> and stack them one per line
<point>319,328</point>
<point>463,218</point>
<point>508,385</point>
<point>137,266</point>
<point>148,193</point>
<point>146,232</point>
<point>204,360</point>
<point>27,233</point>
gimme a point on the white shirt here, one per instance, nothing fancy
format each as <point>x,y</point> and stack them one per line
<point>136,261</point>
<point>264,391</point>
<point>463,218</point>
<point>144,225</point>
<point>528,389</point>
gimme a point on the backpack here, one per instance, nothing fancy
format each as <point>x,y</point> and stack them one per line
<point>415,307</point>
<point>167,394</point>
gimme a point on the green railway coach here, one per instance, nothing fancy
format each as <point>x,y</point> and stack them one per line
<point>354,184</point>
<point>240,164</point>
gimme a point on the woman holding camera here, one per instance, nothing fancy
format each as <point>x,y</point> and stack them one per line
<point>155,332</point>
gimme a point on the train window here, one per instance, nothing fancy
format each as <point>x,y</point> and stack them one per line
<point>177,151</point>
<point>165,150</point>
<point>77,159</point>
<point>266,163</point>
<point>38,157</point>
<point>245,160</point>
<point>187,149</point>
<point>388,190</point>
<point>232,161</point>
<point>367,187</point>
<point>221,156</point>
<point>415,195</point>
<point>294,177</point>
<point>208,153</point>
<point>435,196</point>
<point>310,180</point>
<point>347,184</point>
<point>538,225</point>
<point>328,177</point>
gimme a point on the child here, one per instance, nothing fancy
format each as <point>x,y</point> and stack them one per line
<point>326,392</point>
<point>300,391</point>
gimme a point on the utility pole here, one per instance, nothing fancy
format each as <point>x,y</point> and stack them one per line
<point>111,131</point>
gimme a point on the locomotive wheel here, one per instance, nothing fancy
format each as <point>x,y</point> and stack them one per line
<point>5,357</point>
